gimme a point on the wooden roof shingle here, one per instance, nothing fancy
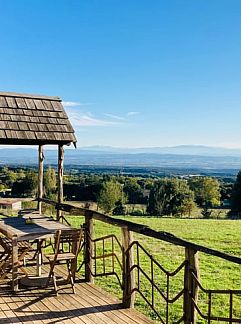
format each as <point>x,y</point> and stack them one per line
<point>33,119</point>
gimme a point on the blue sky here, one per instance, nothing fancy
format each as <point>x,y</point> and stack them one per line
<point>133,73</point>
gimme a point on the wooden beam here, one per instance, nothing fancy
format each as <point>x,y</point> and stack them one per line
<point>60,177</point>
<point>40,176</point>
<point>128,298</point>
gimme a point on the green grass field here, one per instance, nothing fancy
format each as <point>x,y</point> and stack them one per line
<point>216,273</point>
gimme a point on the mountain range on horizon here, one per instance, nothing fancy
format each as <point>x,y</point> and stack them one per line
<point>182,157</point>
<point>201,150</point>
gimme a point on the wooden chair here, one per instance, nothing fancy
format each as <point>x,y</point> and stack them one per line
<point>66,249</point>
<point>24,247</point>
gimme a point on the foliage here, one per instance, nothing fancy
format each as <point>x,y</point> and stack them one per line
<point>2,187</point>
<point>236,197</point>
<point>188,205</point>
<point>119,208</point>
<point>206,212</point>
<point>110,194</point>
<point>170,197</point>
<point>85,188</point>
<point>26,187</point>
<point>137,212</point>
<point>133,191</point>
<point>206,191</point>
<point>226,191</point>
<point>49,183</point>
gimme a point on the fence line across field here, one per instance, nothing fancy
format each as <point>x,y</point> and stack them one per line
<point>132,270</point>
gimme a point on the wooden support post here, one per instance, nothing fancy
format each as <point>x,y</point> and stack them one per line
<point>190,286</point>
<point>89,249</point>
<point>14,263</point>
<point>128,298</point>
<point>60,178</point>
<point>40,176</point>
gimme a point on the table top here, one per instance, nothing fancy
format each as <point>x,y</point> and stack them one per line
<point>40,227</point>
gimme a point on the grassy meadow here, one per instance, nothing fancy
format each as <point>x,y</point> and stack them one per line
<point>216,273</point>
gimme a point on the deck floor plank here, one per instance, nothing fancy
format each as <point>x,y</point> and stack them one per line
<point>90,305</point>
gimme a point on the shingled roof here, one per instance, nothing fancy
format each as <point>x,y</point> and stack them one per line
<point>33,119</point>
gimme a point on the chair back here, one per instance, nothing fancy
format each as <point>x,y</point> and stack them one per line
<point>68,241</point>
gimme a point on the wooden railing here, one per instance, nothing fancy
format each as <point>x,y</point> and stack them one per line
<point>125,264</point>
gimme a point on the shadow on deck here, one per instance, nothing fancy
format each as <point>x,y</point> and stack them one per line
<point>90,305</point>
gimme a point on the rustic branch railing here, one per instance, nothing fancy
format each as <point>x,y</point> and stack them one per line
<point>104,269</point>
<point>133,272</point>
<point>151,279</point>
<point>210,292</point>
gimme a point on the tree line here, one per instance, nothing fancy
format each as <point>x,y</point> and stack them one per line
<point>174,196</point>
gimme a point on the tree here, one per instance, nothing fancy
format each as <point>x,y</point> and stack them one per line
<point>109,195</point>
<point>133,191</point>
<point>170,197</point>
<point>119,208</point>
<point>188,205</point>
<point>11,177</point>
<point>206,212</point>
<point>236,197</point>
<point>206,190</point>
<point>27,187</point>
<point>50,183</point>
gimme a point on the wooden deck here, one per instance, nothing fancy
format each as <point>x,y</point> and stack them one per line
<point>90,305</point>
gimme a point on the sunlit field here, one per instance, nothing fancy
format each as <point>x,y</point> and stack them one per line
<point>223,235</point>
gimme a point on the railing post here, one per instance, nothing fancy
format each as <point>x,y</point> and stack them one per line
<point>190,286</point>
<point>60,178</point>
<point>128,263</point>
<point>40,176</point>
<point>89,248</point>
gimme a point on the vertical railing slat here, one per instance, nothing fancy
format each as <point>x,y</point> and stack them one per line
<point>209,307</point>
<point>231,307</point>
<point>167,302</point>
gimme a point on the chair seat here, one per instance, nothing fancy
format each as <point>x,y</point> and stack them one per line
<point>62,256</point>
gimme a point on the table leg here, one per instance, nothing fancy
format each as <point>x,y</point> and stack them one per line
<point>15,264</point>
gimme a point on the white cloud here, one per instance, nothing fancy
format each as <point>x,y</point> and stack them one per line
<point>114,116</point>
<point>132,113</point>
<point>75,104</point>
<point>70,103</point>
<point>82,118</point>
<point>87,119</point>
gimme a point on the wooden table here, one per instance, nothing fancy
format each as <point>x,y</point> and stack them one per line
<point>17,230</point>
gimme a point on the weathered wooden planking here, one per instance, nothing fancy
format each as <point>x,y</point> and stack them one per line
<point>90,305</point>
<point>11,102</point>
<point>27,113</point>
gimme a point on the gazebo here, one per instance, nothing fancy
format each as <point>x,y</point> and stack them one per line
<point>27,119</point>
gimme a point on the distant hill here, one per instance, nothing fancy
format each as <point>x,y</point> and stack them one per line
<point>180,157</point>
<point>185,156</point>
<point>181,149</point>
